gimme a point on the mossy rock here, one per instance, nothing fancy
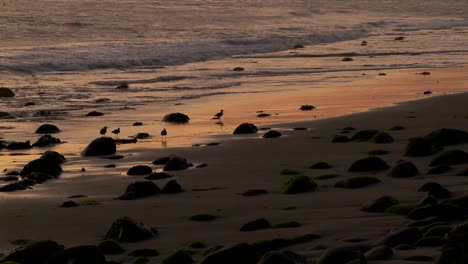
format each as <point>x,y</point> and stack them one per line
<point>369,164</point>
<point>139,170</point>
<point>298,184</point>
<point>440,169</point>
<point>421,147</point>
<point>202,217</point>
<point>397,128</point>
<point>378,152</point>
<point>380,204</point>
<point>172,186</point>
<point>382,138</point>
<point>357,182</point>
<point>340,139</point>
<point>254,192</point>
<point>404,169</point>
<point>447,137</point>
<point>450,157</point>
<point>325,176</point>
<point>364,135</point>
<point>290,172</point>
<point>289,224</point>
<point>140,260</point>
<point>400,209</point>
<point>197,245</point>
<point>257,224</point>
<point>110,247</point>
<point>126,229</point>
<point>179,257</point>
<point>320,165</point>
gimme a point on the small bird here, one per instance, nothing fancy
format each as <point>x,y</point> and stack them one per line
<point>116,132</point>
<point>219,114</point>
<point>164,134</point>
<point>103,131</point>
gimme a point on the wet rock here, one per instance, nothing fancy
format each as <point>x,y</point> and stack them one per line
<point>17,186</point>
<point>6,92</point>
<point>340,139</point>
<point>110,166</point>
<point>5,115</point>
<point>176,163</point>
<point>424,222</point>
<point>299,184</point>
<point>408,235</point>
<point>172,186</point>
<point>439,169</point>
<point>179,257</point>
<point>158,176</point>
<point>110,247</point>
<point>238,69</point>
<point>46,140</point>
<point>144,252</point>
<point>94,113</point>
<point>9,178</point>
<point>256,224</point>
<point>140,189</point>
<point>102,100</point>
<point>421,147</point>
<point>176,118</point>
<point>161,160</point>
<point>246,128</point>
<point>455,250</point>
<point>47,129</point>
<point>123,86</point>
<point>342,255</point>
<point>307,107</point>
<point>202,165</point>
<point>427,92</point>
<point>379,253</point>
<point>53,156</point>
<point>443,211</point>
<point>142,136</point>
<point>272,134</point>
<point>433,241</point>
<point>39,177</point>
<point>380,204</point>
<point>447,137</point>
<point>263,115</point>
<point>298,46</point>
<point>127,230</point>
<point>368,164</point>
<point>42,165</point>
<point>68,204</point>
<point>125,141</point>
<point>100,146</point>
<point>428,200</point>
<point>438,231</point>
<point>404,169</point>
<point>382,138</point>
<point>400,38</point>
<point>347,59</point>
<point>34,253</point>
<point>78,255</point>
<point>139,170</point>
<point>240,253</point>
<point>137,124</point>
<point>281,257</point>
<point>364,135</point>
<point>18,145</point>
<point>450,157</point>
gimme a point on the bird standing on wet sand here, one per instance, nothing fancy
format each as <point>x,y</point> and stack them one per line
<point>103,131</point>
<point>219,114</point>
<point>116,132</point>
<point>164,134</point>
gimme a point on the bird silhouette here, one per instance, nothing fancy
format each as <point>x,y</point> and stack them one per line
<point>103,131</point>
<point>219,114</point>
<point>164,134</point>
<point>116,132</point>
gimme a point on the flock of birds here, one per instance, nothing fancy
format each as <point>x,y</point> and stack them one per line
<point>116,131</point>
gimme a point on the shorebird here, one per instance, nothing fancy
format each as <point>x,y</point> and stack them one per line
<point>164,134</point>
<point>219,114</point>
<point>116,132</point>
<point>103,131</point>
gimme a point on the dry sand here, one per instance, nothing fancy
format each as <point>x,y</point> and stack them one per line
<point>237,164</point>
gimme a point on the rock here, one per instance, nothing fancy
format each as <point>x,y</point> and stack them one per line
<point>438,231</point>
<point>364,135</point>
<point>142,136</point>
<point>172,186</point>
<point>179,257</point>
<point>139,170</point>
<point>240,253</point>
<point>238,69</point>
<point>162,160</point>
<point>102,100</point>
<point>8,178</point>
<point>299,184</point>
<point>137,124</point>
<point>400,209</point>
<point>281,257</point>
<point>46,140</point>
<point>450,157</point>
<point>17,186</point>
<point>78,255</point>
<point>110,166</point>
<point>100,146</point>
<point>428,200</point>
<point>342,255</point>
<point>298,46</point>
<point>320,166</point>
<point>263,115</point>
<point>439,169</point>
<point>42,165</point>
<point>404,247</point>
<point>433,241</point>
<point>419,258</point>
<point>68,204</point>
<point>421,147</point>
<point>145,252</point>
<point>110,247</point>
<point>123,86</point>
<point>158,176</point>
<point>246,128</point>
<point>443,211</point>
<point>5,115</point>
<point>272,134</point>
<point>447,137</point>
<point>347,59</point>
<point>256,224</point>
<point>399,38</point>
<point>464,172</point>
<point>39,177</point>
<point>380,204</point>
<point>47,129</point>
<point>126,141</point>
<point>340,139</point>
<point>436,190</point>
<point>94,113</point>
<point>140,189</point>
<point>176,163</point>
<point>404,169</point>
<point>427,92</point>
<point>18,145</point>
<point>53,156</point>
<point>407,235</point>
<point>455,250</point>
<point>307,107</point>
<point>357,182</point>
<point>127,230</point>
<point>368,164</point>
<point>379,253</point>
<point>6,92</point>
<point>33,253</point>
<point>461,201</point>
<point>382,138</point>
<point>203,165</point>
<point>176,118</point>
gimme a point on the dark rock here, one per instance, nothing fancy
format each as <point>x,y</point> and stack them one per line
<point>439,169</point>
<point>94,113</point>
<point>427,92</point>
<point>110,166</point>
<point>39,177</point>
<point>343,255</point>
<point>281,257</point>
<point>357,182</point>
<point>464,172</point>
<point>298,46</point>
<point>364,135</point>
<point>18,145</point>
<point>408,235</point>
<point>428,200</point>
<point>340,139</point>
<point>102,100</point>
<point>17,186</point>
<point>421,147</point>
<point>140,189</point>
<point>142,136</point>
<point>298,184</point>
<point>172,186</point>
<point>424,222</point>
<point>161,160</point>
<point>238,69</point>
<point>176,118</point>
<point>380,204</point>
<point>144,252</point>
<point>34,253</point>
<point>69,204</point>
<point>446,212</point>
<point>382,138</point>
<point>307,107</point>
<point>240,253</point>
<point>438,231</point>
<point>100,146</point>
<point>254,192</point>
<point>110,247</point>
<point>399,38</point>
<point>137,124</point>
<point>5,115</point>
<point>320,166</point>
<point>419,258</point>
<point>397,128</point>
<point>9,178</point>
<point>127,230</point>
<point>139,170</point>
<point>46,140</point>
<point>176,163</point>
<point>433,241</point>
<point>53,157</point>
<point>404,247</point>
<point>368,164</point>
<point>450,157</point>
<point>347,59</point>
<point>436,190</point>
<point>42,165</point>
<point>379,253</point>
<point>125,141</point>
<point>6,92</point>
<point>12,173</point>
<point>261,115</point>
<point>256,224</point>
<point>404,169</point>
<point>78,255</point>
<point>203,165</point>
<point>47,129</point>
<point>122,86</point>
<point>179,257</point>
<point>455,250</point>
<point>158,176</point>
<point>272,134</point>
<point>246,128</point>
<point>447,137</point>
<point>114,157</point>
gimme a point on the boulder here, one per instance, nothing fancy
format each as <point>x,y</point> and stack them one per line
<point>307,107</point>
<point>455,250</point>
<point>256,224</point>
<point>299,184</point>
<point>450,157</point>
<point>46,140</point>
<point>407,235</point>
<point>158,176</point>
<point>368,164</point>
<point>176,163</point>
<point>78,255</point>
<point>110,247</point>
<point>142,136</point>
<point>379,253</point>
<point>364,135</point>
<point>281,257</point>
<point>245,128</point>
<point>100,146</point>
<point>438,231</point>
<point>436,190</point>
<point>68,204</point>
<point>382,138</point>
<point>47,129</point>
<point>18,145</point>
<point>340,139</point>
<point>447,137</point>
<point>33,253</point>
<point>272,134</point>
<point>172,186</point>
<point>357,182</point>
<point>380,204</point>
<point>443,211</point>
<point>94,113</point>
<point>176,118</point>
<point>342,255</point>
<point>42,165</point>
<point>433,241</point>
<point>439,169</point>
<point>404,169</point>
<point>6,92</point>
<point>240,253</point>
<point>139,170</point>
<point>17,186</point>
<point>161,160</point>
<point>421,147</point>
<point>140,189</point>
<point>127,230</point>
<point>53,156</point>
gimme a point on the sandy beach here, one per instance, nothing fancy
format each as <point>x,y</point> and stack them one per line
<point>245,162</point>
